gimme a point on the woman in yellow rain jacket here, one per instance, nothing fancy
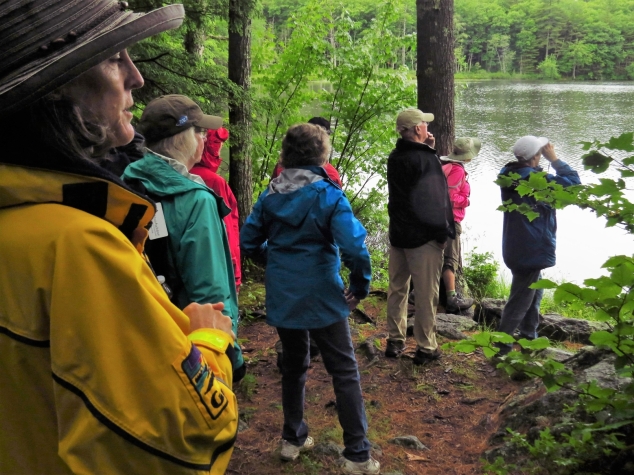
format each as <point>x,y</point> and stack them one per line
<point>99,372</point>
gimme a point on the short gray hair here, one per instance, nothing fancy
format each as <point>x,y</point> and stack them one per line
<point>180,147</point>
<point>407,133</point>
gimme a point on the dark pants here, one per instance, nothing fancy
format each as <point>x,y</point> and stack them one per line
<point>337,352</point>
<point>522,309</point>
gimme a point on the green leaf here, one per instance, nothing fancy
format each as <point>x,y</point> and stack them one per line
<point>501,337</point>
<point>616,261</point>
<point>603,338</point>
<point>596,161</point>
<point>544,284</point>
<point>531,215</point>
<point>623,275</point>
<point>567,292</point>
<point>465,346</point>
<point>624,142</point>
<point>489,352</point>
<point>587,145</point>
<point>602,316</point>
<point>536,344</point>
<point>550,382</point>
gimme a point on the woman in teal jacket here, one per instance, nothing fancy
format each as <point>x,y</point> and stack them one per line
<point>199,261</point>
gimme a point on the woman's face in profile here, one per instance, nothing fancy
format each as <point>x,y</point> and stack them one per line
<point>104,93</point>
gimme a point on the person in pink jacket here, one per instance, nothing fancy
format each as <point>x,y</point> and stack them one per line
<point>207,169</point>
<point>465,149</point>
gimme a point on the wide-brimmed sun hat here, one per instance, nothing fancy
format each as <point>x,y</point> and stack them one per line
<point>465,149</point>
<point>47,43</point>
<point>172,114</point>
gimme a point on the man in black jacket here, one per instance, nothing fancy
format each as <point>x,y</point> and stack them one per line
<point>421,219</point>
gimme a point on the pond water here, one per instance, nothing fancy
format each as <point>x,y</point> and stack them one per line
<point>499,112</point>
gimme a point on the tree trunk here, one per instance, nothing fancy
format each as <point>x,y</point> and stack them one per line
<point>403,49</point>
<point>435,53</point>
<point>240,166</point>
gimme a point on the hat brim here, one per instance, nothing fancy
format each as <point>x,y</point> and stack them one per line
<point>35,83</point>
<point>427,117</point>
<point>209,122</point>
<point>470,155</point>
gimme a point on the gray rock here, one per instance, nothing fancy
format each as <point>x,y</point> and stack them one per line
<point>328,448</point>
<point>556,354</point>
<point>375,449</point>
<point>460,323</point>
<point>448,325</point>
<point>369,350</point>
<point>489,311</point>
<point>586,357</point>
<point>450,332</point>
<point>408,441</point>
<point>605,375</point>
<point>242,425</point>
<point>561,328</point>
<point>451,326</point>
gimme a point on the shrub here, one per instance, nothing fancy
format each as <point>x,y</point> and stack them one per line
<point>480,274</point>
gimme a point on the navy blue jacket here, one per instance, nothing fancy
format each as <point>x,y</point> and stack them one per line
<point>301,223</point>
<point>530,245</point>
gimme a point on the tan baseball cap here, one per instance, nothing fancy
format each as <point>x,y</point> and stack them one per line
<point>410,117</point>
<point>172,114</point>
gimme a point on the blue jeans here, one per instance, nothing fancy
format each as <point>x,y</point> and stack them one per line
<point>335,344</point>
<point>522,309</point>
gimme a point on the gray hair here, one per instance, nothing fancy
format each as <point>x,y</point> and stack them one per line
<point>181,147</point>
<point>407,133</point>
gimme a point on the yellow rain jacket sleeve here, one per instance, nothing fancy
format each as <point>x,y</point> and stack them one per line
<point>132,392</point>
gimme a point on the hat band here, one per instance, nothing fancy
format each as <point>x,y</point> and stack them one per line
<point>15,57</point>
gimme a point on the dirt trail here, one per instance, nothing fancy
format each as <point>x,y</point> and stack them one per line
<point>450,405</point>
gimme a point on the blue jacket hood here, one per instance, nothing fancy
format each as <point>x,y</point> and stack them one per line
<point>288,200</point>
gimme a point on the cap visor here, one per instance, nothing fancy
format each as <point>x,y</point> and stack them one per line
<point>39,82</point>
<point>428,117</point>
<point>209,122</point>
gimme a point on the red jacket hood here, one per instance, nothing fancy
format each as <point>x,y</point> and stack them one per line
<point>211,155</point>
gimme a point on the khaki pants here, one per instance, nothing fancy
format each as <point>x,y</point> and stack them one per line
<point>423,265</point>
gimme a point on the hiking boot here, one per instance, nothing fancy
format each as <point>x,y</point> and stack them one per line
<point>290,452</point>
<point>394,349</point>
<point>504,348</point>
<point>457,302</point>
<point>425,356</point>
<point>369,467</point>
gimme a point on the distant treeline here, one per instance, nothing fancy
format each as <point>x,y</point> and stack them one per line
<point>588,39</point>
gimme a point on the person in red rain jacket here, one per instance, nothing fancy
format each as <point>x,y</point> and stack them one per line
<point>206,169</point>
